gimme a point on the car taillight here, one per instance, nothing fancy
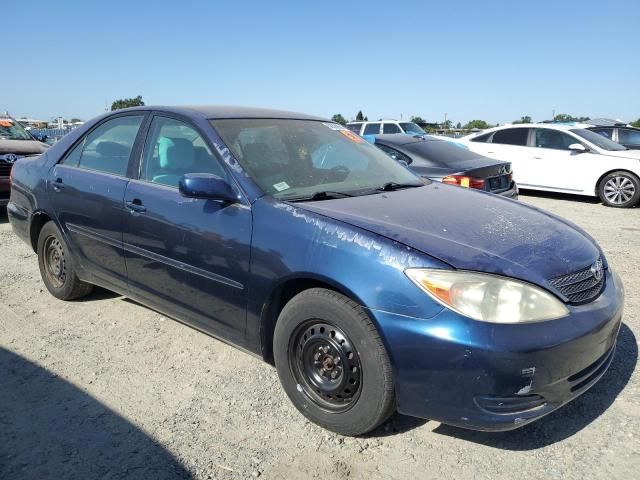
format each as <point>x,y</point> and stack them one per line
<point>464,181</point>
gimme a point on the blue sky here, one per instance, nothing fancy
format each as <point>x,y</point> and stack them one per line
<point>492,60</point>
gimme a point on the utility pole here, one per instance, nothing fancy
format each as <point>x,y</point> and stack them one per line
<point>446,125</point>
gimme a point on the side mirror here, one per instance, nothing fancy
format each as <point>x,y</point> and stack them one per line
<point>577,147</point>
<point>207,186</point>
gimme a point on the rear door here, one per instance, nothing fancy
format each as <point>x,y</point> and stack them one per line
<point>186,257</point>
<point>86,190</point>
<point>510,145</point>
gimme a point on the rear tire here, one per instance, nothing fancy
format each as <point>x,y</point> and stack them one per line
<point>57,266</point>
<point>619,189</point>
<point>332,363</point>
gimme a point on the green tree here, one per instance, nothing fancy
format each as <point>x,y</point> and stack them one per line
<point>524,119</point>
<point>366,119</point>
<point>480,124</point>
<point>339,119</point>
<point>418,120</point>
<point>75,120</point>
<point>447,124</point>
<point>127,102</point>
<point>635,124</point>
<point>563,117</point>
<point>458,125</point>
<point>359,116</point>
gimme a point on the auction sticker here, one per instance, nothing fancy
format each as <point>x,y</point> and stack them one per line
<point>334,126</point>
<point>352,136</point>
<point>281,186</point>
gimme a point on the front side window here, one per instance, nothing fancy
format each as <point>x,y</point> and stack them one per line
<point>174,149</point>
<point>598,140</point>
<point>511,136</point>
<point>295,159</point>
<point>108,148</point>
<point>555,139</point>
<point>390,128</point>
<point>355,127</point>
<point>605,132</point>
<point>372,129</point>
<point>482,138</point>
<point>629,137</point>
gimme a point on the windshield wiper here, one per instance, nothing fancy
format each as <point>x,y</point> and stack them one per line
<point>390,186</point>
<point>324,195</point>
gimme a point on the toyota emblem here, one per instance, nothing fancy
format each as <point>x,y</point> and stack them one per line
<point>10,158</point>
<point>596,270</point>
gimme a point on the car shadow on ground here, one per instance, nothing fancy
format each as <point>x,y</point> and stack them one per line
<point>570,419</point>
<point>560,196</point>
<point>50,428</point>
<point>3,215</point>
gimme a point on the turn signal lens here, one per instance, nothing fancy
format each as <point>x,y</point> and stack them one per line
<point>488,298</point>
<point>464,181</point>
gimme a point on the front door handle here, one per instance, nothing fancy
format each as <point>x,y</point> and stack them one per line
<point>135,206</point>
<point>58,185</point>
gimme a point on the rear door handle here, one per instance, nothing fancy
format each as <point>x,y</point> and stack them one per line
<point>58,185</point>
<point>135,206</point>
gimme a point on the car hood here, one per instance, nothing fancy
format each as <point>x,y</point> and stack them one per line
<point>470,230</point>
<point>635,154</point>
<point>22,147</point>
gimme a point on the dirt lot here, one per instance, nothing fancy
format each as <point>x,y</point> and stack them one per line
<point>104,388</point>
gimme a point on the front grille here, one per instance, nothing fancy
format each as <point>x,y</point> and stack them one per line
<point>581,286</point>
<point>5,169</point>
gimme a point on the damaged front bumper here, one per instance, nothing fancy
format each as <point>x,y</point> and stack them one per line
<point>495,377</point>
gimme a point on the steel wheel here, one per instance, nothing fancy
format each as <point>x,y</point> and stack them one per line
<point>325,365</point>
<point>55,264</point>
<point>619,190</point>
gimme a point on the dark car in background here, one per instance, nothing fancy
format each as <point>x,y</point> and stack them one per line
<point>15,143</point>
<point>293,238</point>
<point>447,162</point>
<point>622,134</point>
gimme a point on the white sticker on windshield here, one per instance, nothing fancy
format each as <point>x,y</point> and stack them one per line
<point>281,186</point>
<point>334,126</point>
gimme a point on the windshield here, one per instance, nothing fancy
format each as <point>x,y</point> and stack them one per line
<point>410,127</point>
<point>299,158</point>
<point>598,140</point>
<point>12,130</point>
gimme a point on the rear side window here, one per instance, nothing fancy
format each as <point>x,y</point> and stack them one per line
<point>173,149</point>
<point>372,129</point>
<point>108,148</point>
<point>355,128</point>
<point>629,137</point>
<point>547,138</point>
<point>390,128</point>
<point>605,132</point>
<point>511,136</point>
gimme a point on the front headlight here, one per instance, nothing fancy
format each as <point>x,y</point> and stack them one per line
<point>486,297</point>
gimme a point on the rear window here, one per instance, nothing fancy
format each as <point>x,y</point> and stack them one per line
<point>511,136</point>
<point>441,152</point>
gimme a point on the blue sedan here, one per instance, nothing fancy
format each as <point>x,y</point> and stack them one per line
<point>370,289</point>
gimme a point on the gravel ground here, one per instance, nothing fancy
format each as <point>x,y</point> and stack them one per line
<point>105,388</point>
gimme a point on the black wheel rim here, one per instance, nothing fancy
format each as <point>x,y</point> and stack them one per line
<point>55,265</point>
<point>326,365</point>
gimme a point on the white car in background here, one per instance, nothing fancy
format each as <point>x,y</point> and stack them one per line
<point>564,158</point>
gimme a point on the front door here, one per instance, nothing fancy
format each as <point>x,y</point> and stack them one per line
<point>187,257</point>
<point>86,190</point>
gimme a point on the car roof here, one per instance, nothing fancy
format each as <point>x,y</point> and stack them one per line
<point>553,126</point>
<point>214,112</point>
<point>386,120</point>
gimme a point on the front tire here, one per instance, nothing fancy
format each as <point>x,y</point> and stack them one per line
<point>332,363</point>
<point>619,189</point>
<point>57,266</point>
